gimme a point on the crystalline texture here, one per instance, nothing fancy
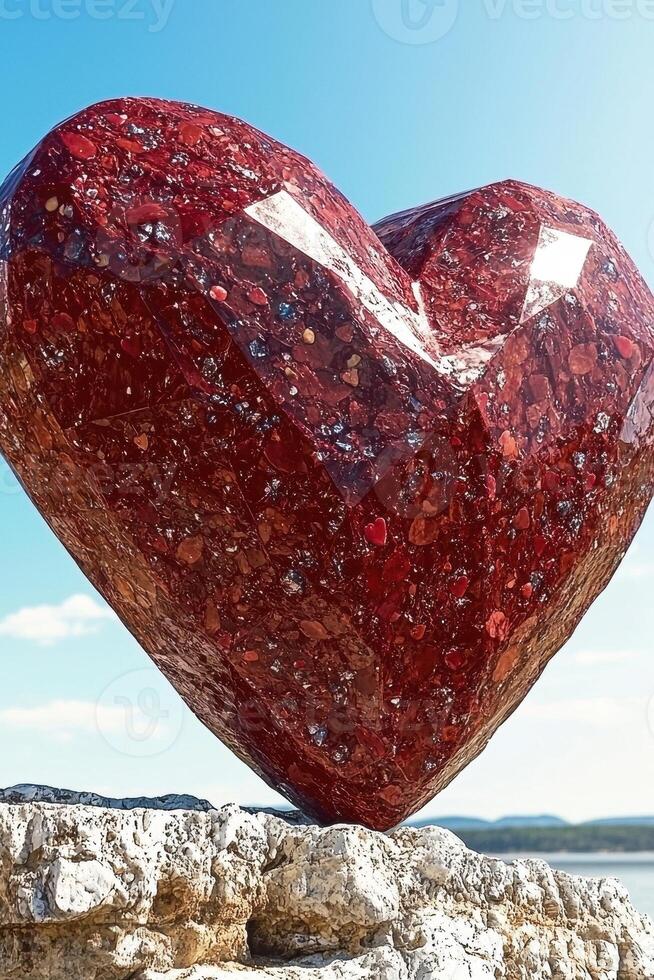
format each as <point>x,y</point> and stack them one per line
<point>350,488</point>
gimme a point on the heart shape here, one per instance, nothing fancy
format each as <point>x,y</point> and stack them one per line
<point>350,488</point>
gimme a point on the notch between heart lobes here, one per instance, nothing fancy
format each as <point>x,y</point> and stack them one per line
<point>351,488</point>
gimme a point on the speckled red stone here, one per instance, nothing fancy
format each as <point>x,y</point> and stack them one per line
<point>351,488</point>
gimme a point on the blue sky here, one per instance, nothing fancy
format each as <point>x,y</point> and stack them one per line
<point>400,102</point>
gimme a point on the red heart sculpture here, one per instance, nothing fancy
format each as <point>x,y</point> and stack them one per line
<point>351,488</point>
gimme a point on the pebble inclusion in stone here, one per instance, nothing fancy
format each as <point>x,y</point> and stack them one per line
<point>350,488</point>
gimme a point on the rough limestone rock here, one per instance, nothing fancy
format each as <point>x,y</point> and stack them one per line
<point>117,891</point>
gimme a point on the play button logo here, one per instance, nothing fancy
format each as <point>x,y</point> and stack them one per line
<point>416,21</point>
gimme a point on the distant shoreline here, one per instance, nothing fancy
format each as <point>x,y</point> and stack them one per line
<point>585,839</point>
<point>626,858</point>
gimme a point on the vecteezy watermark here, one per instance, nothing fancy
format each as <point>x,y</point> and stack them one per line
<point>416,21</point>
<point>569,9</point>
<point>139,715</point>
<point>155,14</point>
<point>427,21</point>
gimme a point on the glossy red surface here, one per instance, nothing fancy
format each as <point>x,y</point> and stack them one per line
<point>350,487</point>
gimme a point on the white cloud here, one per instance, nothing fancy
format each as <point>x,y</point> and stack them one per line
<point>600,712</point>
<point>596,658</point>
<point>77,616</point>
<point>126,725</point>
<point>62,720</point>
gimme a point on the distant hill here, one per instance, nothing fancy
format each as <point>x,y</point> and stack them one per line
<point>621,822</point>
<point>613,838</point>
<point>476,823</point>
<point>453,823</point>
<point>543,834</point>
<point>541,821</point>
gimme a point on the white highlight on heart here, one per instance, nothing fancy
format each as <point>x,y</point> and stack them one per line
<point>556,268</point>
<point>285,217</point>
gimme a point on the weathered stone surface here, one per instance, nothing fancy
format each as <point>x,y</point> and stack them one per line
<point>99,893</point>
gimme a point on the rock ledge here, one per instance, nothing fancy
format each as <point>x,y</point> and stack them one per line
<point>92,889</point>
